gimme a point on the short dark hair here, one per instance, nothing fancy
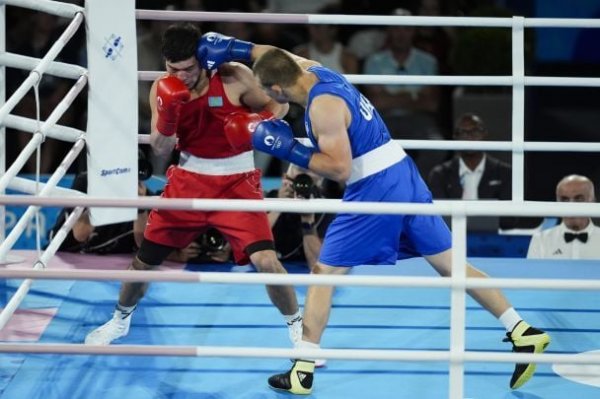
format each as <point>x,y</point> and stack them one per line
<point>277,67</point>
<point>180,42</point>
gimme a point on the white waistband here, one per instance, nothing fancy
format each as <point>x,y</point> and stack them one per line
<point>240,163</point>
<point>376,160</point>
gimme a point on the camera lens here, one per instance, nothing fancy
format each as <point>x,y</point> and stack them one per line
<point>303,185</point>
<point>214,241</point>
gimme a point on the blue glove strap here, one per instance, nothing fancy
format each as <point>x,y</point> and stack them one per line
<point>300,155</point>
<point>241,50</point>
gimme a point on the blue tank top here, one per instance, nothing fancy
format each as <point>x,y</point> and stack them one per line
<point>367,130</point>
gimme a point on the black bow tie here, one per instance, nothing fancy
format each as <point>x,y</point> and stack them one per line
<point>583,237</point>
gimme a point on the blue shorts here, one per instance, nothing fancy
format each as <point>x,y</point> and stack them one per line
<point>354,239</point>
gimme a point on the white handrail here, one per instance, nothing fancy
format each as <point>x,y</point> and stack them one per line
<point>60,69</point>
<point>441,207</point>
<point>51,7</point>
<point>36,73</point>
<point>58,132</point>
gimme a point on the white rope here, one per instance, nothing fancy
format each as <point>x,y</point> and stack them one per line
<point>51,7</point>
<point>21,225</point>
<point>40,134</point>
<point>277,18</point>
<point>60,69</point>
<point>40,264</point>
<point>261,352</point>
<point>445,80</point>
<point>37,72</point>
<point>441,207</point>
<point>500,145</point>
<point>59,132</point>
<point>298,279</point>
<point>27,186</point>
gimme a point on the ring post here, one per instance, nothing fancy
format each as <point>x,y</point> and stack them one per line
<point>112,106</point>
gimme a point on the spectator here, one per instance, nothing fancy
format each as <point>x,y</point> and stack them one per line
<point>298,237</point>
<point>575,237</point>
<point>410,111</point>
<point>473,174</point>
<point>325,48</point>
<point>124,237</point>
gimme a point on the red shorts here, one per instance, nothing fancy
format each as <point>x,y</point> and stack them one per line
<point>176,228</point>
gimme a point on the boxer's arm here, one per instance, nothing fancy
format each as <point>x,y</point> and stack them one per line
<point>330,119</point>
<point>161,145</point>
<point>253,96</point>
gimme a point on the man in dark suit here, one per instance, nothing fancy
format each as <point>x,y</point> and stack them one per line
<point>472,174</point>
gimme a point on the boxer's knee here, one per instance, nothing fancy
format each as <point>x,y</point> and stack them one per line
<point>266,262</point>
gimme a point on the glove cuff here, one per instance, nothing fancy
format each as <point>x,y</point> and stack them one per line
<point>300,155</point>
<point>241,50</point>
<point>166,128</point>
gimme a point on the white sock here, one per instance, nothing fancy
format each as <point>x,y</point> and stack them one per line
<point>510,318</point>
<point>306,344</point>
<point>292,318</point>
<point>125,311</point>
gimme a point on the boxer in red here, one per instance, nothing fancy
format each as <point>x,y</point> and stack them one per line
<point>191,110</point>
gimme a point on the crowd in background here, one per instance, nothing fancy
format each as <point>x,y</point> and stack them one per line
<point>410,111</point>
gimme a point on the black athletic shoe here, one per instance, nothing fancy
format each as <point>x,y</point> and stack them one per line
<point>526,339</point>
<point>298,380</point>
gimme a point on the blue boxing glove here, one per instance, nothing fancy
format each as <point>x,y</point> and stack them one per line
<point>275,137</point>
<point>215,49</point>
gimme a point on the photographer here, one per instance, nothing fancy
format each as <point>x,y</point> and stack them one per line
<point>298,237</point>
<point>125,237</point>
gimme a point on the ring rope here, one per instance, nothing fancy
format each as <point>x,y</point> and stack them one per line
<point>61,9</point>
<point>458,283</point>
<point>40,264</point>
<point>39,136</point>
<point>440,207</point>
<point>56,131</point>
<point>298,279</point>
<point>42,67</point>
<point>21,225</point>
<point>56,68</point>
<point>282,18</point>
<point>449,80</point>
<point>263,352</point>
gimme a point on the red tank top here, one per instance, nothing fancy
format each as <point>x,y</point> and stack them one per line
<point>200,130</point>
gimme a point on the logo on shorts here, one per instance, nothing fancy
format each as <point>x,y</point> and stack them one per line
<point>113,46</point>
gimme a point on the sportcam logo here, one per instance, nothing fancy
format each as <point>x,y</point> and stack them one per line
<point>115,171</point>
<point>113,46</point>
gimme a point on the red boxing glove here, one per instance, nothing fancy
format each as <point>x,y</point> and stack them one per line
<point>171,94</point>
<point>239,127</point>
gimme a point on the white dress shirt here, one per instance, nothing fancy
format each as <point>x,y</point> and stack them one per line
<point>469,179</point>
<point>551,244</point>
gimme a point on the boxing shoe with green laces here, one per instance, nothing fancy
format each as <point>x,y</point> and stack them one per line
<point>526,339</point>
<point>298,380</point>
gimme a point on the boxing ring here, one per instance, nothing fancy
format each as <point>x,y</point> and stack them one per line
<point>426,340</point>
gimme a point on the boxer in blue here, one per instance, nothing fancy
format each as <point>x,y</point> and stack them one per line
<point>351,144</point>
